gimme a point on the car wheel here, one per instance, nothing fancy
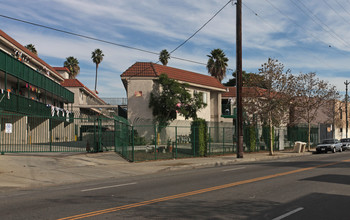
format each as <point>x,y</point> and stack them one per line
<point>334,150</point>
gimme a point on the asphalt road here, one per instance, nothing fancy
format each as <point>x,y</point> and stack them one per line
<point>310,187</point>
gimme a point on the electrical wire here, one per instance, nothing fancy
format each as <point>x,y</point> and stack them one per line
<point>312,35</point>
<point>329,6</point>
<point>319,22</point>
<point>201,27</point>
<point>342,7</point>
<point>273,28</point>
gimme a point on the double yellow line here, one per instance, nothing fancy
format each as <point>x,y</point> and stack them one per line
<point>196,192</point>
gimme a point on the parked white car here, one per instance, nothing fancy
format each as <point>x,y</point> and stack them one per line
<point>333,145</point>
<point>345,143</point>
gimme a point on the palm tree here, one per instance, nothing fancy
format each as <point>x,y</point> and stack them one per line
<point>97,57</point>
<point>72,64</point>
<point>217,64</point>
<point>31,48</point>
<point>164,56</point>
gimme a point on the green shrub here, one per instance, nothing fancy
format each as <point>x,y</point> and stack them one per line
<point>266,136</point>
<point>252,138</point>
<point>199,137</point>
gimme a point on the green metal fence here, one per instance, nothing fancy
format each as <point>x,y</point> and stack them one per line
<point>150,142</point>
<point>28,133</point>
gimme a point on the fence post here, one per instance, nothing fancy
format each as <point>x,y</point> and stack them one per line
<point>194,140</point>
<point>155,141</point>
<point>223,140</point>
<point>209,139</point>
<point>94,143</point>
<point>50,131</point>
<point>133,144</point>
<point>99,134</point>
<point>115,135</point>
<point>176,142</point>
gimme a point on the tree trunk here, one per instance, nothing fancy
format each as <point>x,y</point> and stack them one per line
<point>96,77</point>
<point>309,136</point>
<point>271,140</point>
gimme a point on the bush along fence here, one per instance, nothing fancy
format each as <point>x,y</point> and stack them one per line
<point>152,142</point>
<point>62,133</point>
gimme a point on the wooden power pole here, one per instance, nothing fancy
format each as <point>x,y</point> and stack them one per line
<point>239,118</point>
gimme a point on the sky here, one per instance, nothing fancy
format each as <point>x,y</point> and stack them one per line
<point>305,36</point>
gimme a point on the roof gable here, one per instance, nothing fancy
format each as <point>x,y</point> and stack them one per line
<point>32,55</point>
<point>148,69</point>
<point>77,83</point>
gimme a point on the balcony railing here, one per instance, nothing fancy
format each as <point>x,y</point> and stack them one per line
<point>19,70</point>
<point>19,104</point>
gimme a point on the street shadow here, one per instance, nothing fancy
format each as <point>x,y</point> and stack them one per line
<point>330,178</point>
<point>198,209</point>
<point>312,206</point>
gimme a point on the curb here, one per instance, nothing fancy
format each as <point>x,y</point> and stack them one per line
<point>233,161</point>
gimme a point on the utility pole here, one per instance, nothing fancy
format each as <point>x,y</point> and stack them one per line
<point>239,118</point>
<point>346,106</point>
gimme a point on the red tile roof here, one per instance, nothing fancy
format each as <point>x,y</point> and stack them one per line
<point>246,92</point>
<point>77,83</point>
<point>32,55</point>
<point>148,69</point>
<point>61,69</point>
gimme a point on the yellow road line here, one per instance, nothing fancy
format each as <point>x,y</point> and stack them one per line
<point>191,193</point>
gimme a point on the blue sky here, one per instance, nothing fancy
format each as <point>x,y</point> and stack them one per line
<point>306,36</point>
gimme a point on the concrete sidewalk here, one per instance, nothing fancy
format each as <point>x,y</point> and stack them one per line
<point>47,169</point>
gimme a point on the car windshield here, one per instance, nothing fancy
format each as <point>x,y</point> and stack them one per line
<point>328,141</point>
<point>345,140</point>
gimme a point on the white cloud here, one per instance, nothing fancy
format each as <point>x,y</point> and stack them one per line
<point>292,37</point>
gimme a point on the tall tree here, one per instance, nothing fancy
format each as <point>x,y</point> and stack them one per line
<point>172,97</point>
<point>72,64</point>
<point>313,95</point>
<point>164,56</point>
<point>246,78</point>
<point>217,64</point>
<point>31,48</point>
<point>272,103</point>
<point>97,57</point>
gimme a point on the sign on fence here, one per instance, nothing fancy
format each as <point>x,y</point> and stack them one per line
<point>8,128</point>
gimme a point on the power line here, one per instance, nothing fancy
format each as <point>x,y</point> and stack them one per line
<point>273,28</point>
<point>319,22</point>
<point>329,6</point>
<point>93,38</point>
<point>187,41</point>
<point>328,45</point>
<point>201,27</point>
<point>341,6</point>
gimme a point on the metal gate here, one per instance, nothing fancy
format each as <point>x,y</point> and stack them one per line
<point>26,133</point>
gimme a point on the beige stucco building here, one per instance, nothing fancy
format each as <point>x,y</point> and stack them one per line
<point>140,80</point>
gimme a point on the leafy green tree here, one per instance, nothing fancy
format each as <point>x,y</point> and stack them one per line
<point>31,48</point>
<point>217,64</point>
<point>72,64</point>
<point>164,56</point>
<point>97,57</point>
<point>172,97</point>
<point>246,78</point>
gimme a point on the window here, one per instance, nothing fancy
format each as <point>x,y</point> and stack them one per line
<point>341,130</point>
<point>205,97</point>
<point>341,113</point>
